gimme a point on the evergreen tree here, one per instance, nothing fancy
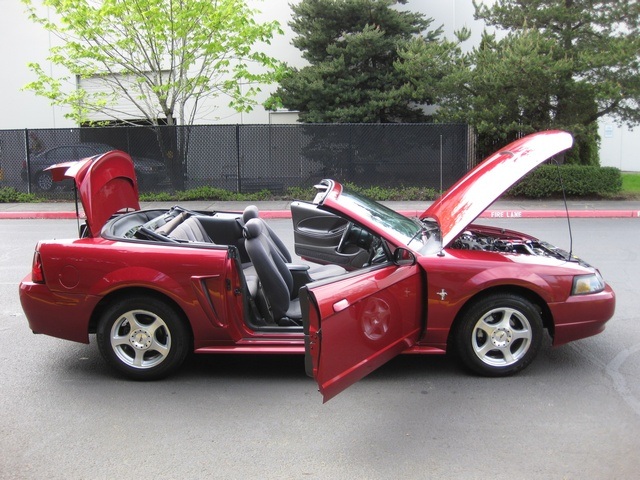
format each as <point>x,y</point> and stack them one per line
<point>563,64</point>
<point>351,46</point>
<point>503,88</point>
<point>598,42</point>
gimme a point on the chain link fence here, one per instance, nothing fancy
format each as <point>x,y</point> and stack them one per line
<point>248,158</point>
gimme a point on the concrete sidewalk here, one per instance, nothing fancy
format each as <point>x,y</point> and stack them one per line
<point>280,209</point>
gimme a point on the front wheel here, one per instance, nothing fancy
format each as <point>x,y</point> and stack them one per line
<point>499,335</point>
<point>143,338</point>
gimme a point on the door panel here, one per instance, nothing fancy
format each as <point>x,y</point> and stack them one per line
<point>356,325</point>
<point>317,235</point>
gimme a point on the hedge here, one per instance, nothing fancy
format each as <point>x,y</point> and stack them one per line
<point>543,182</point>
<point>11,195</point>
<point>578,180</point>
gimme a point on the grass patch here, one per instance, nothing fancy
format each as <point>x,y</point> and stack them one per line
<point>631,182</point>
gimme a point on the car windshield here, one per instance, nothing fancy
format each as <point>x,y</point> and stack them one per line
<point>406,230</point>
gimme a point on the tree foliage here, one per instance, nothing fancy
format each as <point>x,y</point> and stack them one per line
<point>562,64</point>
<point>351,46</point>
<point>599,42</point>
<point>504,88</point>
<point>163,56</point>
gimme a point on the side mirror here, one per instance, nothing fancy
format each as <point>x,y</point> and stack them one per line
<point>403,257</point>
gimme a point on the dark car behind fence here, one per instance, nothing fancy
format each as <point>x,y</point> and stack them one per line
<point>249,158</point>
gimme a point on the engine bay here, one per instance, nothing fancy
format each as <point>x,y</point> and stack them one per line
<point>490,239</point>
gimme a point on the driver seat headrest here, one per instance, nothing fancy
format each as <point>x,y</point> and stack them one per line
<point>253,228</point>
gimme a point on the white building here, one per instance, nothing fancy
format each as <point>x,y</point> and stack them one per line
<point>22,41</point>
<point>619,146</point>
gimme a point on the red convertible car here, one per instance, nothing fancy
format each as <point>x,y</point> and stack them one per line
<point>155,285</point>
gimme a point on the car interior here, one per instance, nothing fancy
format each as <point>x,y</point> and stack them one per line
<point>272,279</point>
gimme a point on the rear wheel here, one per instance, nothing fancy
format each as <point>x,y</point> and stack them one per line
<point>143,338</point>
<point>499,335</point>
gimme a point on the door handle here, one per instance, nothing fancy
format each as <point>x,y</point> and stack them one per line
<point>340,305</point>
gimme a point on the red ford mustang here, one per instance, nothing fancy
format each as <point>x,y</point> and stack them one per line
<point>155,285</point>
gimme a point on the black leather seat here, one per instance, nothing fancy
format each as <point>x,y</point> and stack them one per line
<point>316,272</point>
<point>251,212</point>
<point>276,280</point>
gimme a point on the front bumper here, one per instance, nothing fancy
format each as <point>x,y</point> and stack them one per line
<point>582,316</point>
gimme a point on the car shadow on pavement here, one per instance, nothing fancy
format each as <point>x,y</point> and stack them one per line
<point>85,362</point>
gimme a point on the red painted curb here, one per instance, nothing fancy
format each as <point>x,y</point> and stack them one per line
<point>561,214</point>
<point>408,213</point>
<point>38,215</point>
<point>548,213</point>
<point>275,213</point>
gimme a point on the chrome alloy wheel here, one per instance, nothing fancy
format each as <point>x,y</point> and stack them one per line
<point>140,339</point>
<point>501,337</point>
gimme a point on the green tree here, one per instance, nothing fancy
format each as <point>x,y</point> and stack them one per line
<point>163,56</point>
<point>503,88</point>
<point>599,41</point>
<point>563,64</point>
<point>351,46</point>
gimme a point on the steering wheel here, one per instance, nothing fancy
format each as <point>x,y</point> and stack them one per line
<point>343,238</point>
<point>378,253</point>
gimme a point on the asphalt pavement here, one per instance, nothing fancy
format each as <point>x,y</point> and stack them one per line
<point>280,209</point>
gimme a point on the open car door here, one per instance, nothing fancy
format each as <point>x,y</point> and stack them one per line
<point>324,238</point>
<point>317,234</point>
<point>354,325</point>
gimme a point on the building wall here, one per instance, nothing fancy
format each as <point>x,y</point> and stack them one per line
<point>619,146</point>
<point>22,41</point>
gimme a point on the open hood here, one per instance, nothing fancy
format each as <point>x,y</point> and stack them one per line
<point>106,185</point>
<point>481,186</point>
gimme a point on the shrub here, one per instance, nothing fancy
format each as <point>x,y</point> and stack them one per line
<point>11,195</point>
<point>578,180</point>
<point>395,194</point>
<point>292,193</point>
<point>300,193</point>
<point>199,193</point>
<point>206,193</point>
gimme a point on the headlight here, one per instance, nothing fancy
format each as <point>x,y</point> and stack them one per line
<point>585,284</point>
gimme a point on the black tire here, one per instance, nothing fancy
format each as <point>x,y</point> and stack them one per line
<point>499,335</point>
<point>143,338</point>
<point>44,181</point>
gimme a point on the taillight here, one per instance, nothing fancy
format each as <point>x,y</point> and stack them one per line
<point>37,274</point>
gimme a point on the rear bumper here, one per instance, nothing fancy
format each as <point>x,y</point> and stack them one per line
<point>582,316</point>
<point>56,314</point>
